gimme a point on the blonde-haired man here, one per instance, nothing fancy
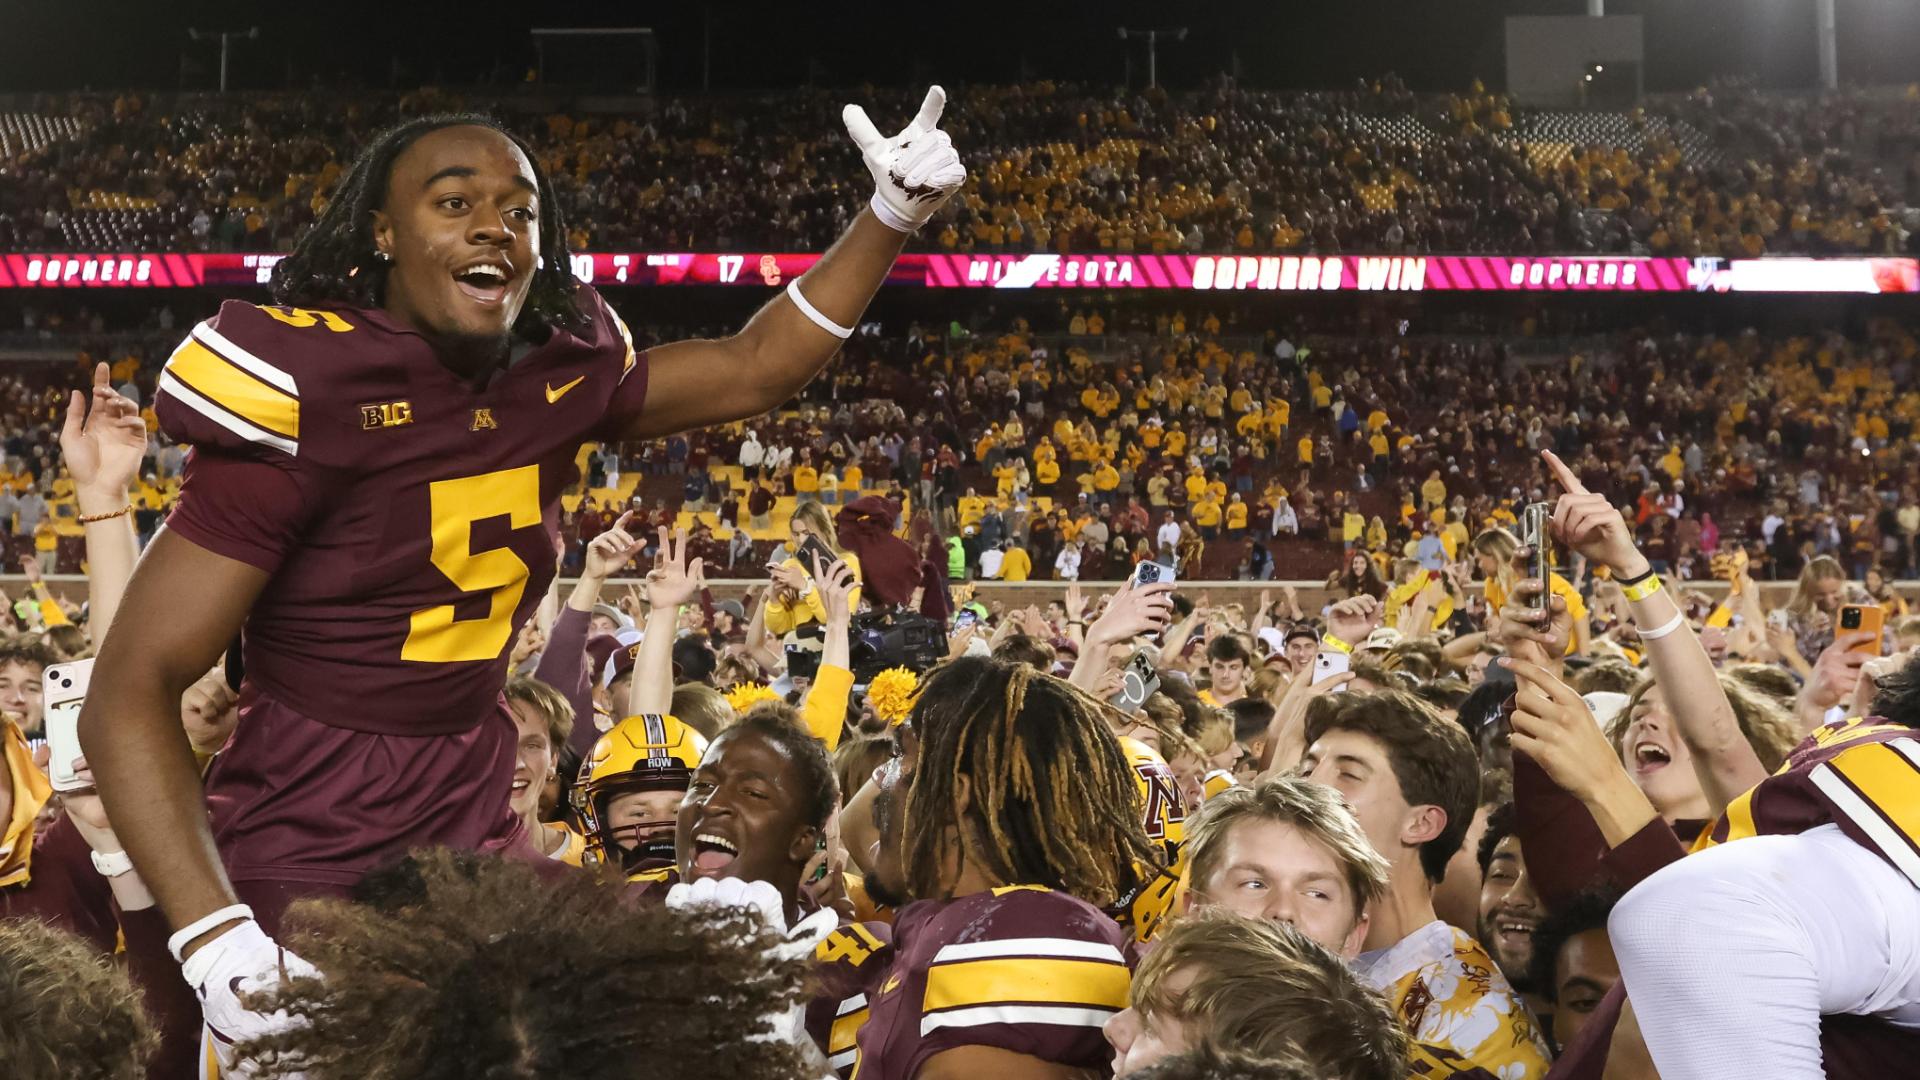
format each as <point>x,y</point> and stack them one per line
<point>1290,851</point>
<point>1228,983</point>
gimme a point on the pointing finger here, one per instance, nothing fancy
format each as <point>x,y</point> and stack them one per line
<point>865,135</point>
<point>1568,482</point>
<point>929,115</point>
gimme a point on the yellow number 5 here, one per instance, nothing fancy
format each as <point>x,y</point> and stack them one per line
<point>435,636</point>
<point>303,318</point>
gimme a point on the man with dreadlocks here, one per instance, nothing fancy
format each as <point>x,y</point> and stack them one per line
<point>1008,813</point>
<point>375,493</point>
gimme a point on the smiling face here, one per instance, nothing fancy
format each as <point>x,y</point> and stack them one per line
<point>460,224</point>
<point>1659,761</point>
<point>533,763</point>
<point>744,814</point>
<point>1273,870</point>
<point>20,692</point>
<point>1509,911</point>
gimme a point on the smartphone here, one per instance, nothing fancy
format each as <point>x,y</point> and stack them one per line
<point>1140,682</point>
<point>1777,619</point>
<point>65,690</point>
<point>1152,573</point>
<point>964,618</point>
<point>1331,663</point>
<point>1535,536</point>
<point>814,548</point>
<point>1857,618</point>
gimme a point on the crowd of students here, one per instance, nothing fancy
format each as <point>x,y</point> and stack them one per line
<point>1247,866</point>
<point>1059,167</point>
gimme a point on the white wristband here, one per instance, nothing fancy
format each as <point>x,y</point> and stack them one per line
<point>113,864</point>
<point>201,925</point>
<point>1659,632</point>
<point>813,313</point>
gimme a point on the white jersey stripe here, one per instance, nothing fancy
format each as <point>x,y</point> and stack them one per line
<point>1038,946</point>
<point>852,1004</point>
<point>241,358</point>
<point>1055,1015</point>
<point>185,395</point>
<point>843,1059</point>
<point>1897,848</point>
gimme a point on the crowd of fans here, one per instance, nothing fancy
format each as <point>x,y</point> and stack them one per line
<point>1381,838</point>
<point>1057,167</point>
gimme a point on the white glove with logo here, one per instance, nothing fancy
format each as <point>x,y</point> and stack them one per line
<point>916,171</point>
<point>244,960</point>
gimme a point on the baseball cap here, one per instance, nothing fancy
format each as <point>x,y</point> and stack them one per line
<point>1272,639</point>
<point>1302,630</point>
<point>1384,637</point>
<point>625,653</point>
<point>731,607</point>
<point>620,618</point>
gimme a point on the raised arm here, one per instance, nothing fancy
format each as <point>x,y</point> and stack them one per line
<point>671,584</point>
<point>183,606</point>
<point>102,447</point>
<point>563,665</point>
<point>698,383</point>
<point>1724,760</point>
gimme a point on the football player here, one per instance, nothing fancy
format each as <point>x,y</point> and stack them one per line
<point>1008,815</point>
<point>1163,814</point>
<point>374,493</point>
<point>630,790</point>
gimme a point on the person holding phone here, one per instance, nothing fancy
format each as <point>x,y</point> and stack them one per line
<point>795,602</point>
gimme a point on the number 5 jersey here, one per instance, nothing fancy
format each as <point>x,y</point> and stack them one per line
<point>408,522</point>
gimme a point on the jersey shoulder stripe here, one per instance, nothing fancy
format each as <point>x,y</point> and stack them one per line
<point>1876,787</point>
<point>234,389</point>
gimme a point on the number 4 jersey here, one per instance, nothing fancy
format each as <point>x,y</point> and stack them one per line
<point>409,522</point>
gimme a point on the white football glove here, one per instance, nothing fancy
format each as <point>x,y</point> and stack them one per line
<point>244,960</point>
<point>756,896</point>
<point>916,171</point>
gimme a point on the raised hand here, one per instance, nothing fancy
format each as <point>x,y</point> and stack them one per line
<point>102,448</point>
<point>611,551</point>
<point>1590,525</point>
<point>1530,633</point>
<point>915,171</point>
<point>836,584</point>
<point>1132,612</point>
<point>1351,620</point>
<point>1554,727</point>
<point>673,580</point>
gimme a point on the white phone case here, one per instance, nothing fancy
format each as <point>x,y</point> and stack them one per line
<point>65,690</point>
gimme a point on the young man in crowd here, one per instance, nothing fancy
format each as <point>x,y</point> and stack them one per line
<point>1573,962</point>
<point>1009,816</point>
<point>630,790</point>
<point>1228,664</point>
<point>1226,982</point>
<point>1412,780</point>
<point>1288,850</point>
<point>1510,911</point>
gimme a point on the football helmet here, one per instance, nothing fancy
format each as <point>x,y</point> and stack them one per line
<point>1164,813</point>
<point>642,753</point>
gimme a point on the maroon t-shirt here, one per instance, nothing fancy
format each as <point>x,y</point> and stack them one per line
<point>409,523</point>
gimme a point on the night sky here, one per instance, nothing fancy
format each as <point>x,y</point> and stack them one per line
<point>1434,44</point>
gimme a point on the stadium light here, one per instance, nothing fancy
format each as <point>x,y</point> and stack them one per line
<point>1178,33</point>
<point>251,33</point>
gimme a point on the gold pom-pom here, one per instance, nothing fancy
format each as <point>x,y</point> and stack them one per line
<point>746,695</point>
<point>893,693</point>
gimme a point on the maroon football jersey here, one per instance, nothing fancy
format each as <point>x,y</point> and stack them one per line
<point>410,522</point>
<point>848,965</point>
<point>1861,774</point>
<point>1021,968</point>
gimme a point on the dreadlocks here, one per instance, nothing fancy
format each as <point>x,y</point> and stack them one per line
<point>1051,799</point>
<point>334,262</point>
<point>479,968</point>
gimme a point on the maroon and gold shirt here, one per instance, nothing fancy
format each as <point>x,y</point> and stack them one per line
<point>408,520</point>
<point>1861,774</point>
<point>1021,968</point>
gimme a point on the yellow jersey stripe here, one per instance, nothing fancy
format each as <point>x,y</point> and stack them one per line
<point>229,386</point>
<point>258,368</point>
<point>1085,983</point>
<point>845,1032</point>
<point>1884,784</point>
<point>1740,818</point>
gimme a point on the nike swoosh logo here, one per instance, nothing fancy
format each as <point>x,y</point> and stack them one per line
<point>555,395</point>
